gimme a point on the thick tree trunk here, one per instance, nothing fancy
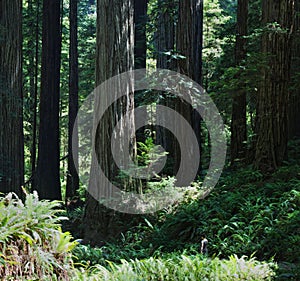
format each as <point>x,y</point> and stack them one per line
<point>238,119</point>
<point>47,178</point>
<point>189,44</point>
<point>165,40</point>
<point>11,126</point>
<point>165,43</point>
<point>184,47</point>
<point>72,177</point>
<point>115,54</point>
<point>189,38</point>
<point>273,97</point>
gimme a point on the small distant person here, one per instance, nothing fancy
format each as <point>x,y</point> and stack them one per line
<point>204,245</point>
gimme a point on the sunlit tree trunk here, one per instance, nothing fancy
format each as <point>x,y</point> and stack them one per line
<point>273,96</point>
<point>11,128</point>
<point>238,119</point>
<point>47,177</point>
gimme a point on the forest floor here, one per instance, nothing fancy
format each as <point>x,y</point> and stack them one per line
<point>247,214</point>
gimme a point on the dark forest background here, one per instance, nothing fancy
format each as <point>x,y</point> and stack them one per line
<point>246,56</point>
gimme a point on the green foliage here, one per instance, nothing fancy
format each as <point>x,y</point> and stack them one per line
<point>85,255</point>
<point>183,267</point>
<point>222,77</point>
<point>32,244</point>
<point>86,58</point>
<point>86,69</point>
<point>148,153</point>
<point>29,28</point>
<point>155,11</point>
<point>214,19</point>
<point>245,214</point>
<point>131,245</point>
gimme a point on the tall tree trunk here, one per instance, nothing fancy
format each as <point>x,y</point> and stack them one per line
<point>11,120</point>
<point>189,44</point>
<point>72,177</point>
<point>273,97</point>
<point>165,34</point>
<point>47,178</point>
<point>115,54</point>
<point>294,104</point>
<point>35,98</point>
<point>238,119</point>
<point>197,41</point>
<point>140,42</point>
<point>189,38</point>
<point>31,71</point>
<point>165,43</point>
<point>140,50</point>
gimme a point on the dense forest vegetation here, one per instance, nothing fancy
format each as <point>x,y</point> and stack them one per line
<point>131,130</point>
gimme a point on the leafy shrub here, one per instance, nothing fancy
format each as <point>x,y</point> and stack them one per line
<point>258,216</point>
<point>183,268</point>
<point>85,255</point>
<point>246,214</point>
<point>32,245</point>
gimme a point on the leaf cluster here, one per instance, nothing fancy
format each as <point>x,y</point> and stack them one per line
<point>32,244</point>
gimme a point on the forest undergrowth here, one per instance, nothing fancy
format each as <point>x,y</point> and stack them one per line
<point>251,222</point>
<point>247,214</point>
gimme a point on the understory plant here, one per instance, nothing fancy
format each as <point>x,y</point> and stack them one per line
<point>185,268</point>
<point>32,244</point>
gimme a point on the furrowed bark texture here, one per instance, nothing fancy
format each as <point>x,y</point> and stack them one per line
<point>273,97</point>
<point>115,54</point>
<point>11,126</point>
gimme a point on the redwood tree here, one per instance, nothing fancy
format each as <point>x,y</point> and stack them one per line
<point>165,44</point>
<point>11,128</point>
<point>238,119</point>
<point>189,38</point>
<point>72,177</point>
<point>189,45</point>
<point>273,96</point>
<point>165,35</point>
<point>47,178</point>
<point>114,55</point>
<point>35,96</point>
